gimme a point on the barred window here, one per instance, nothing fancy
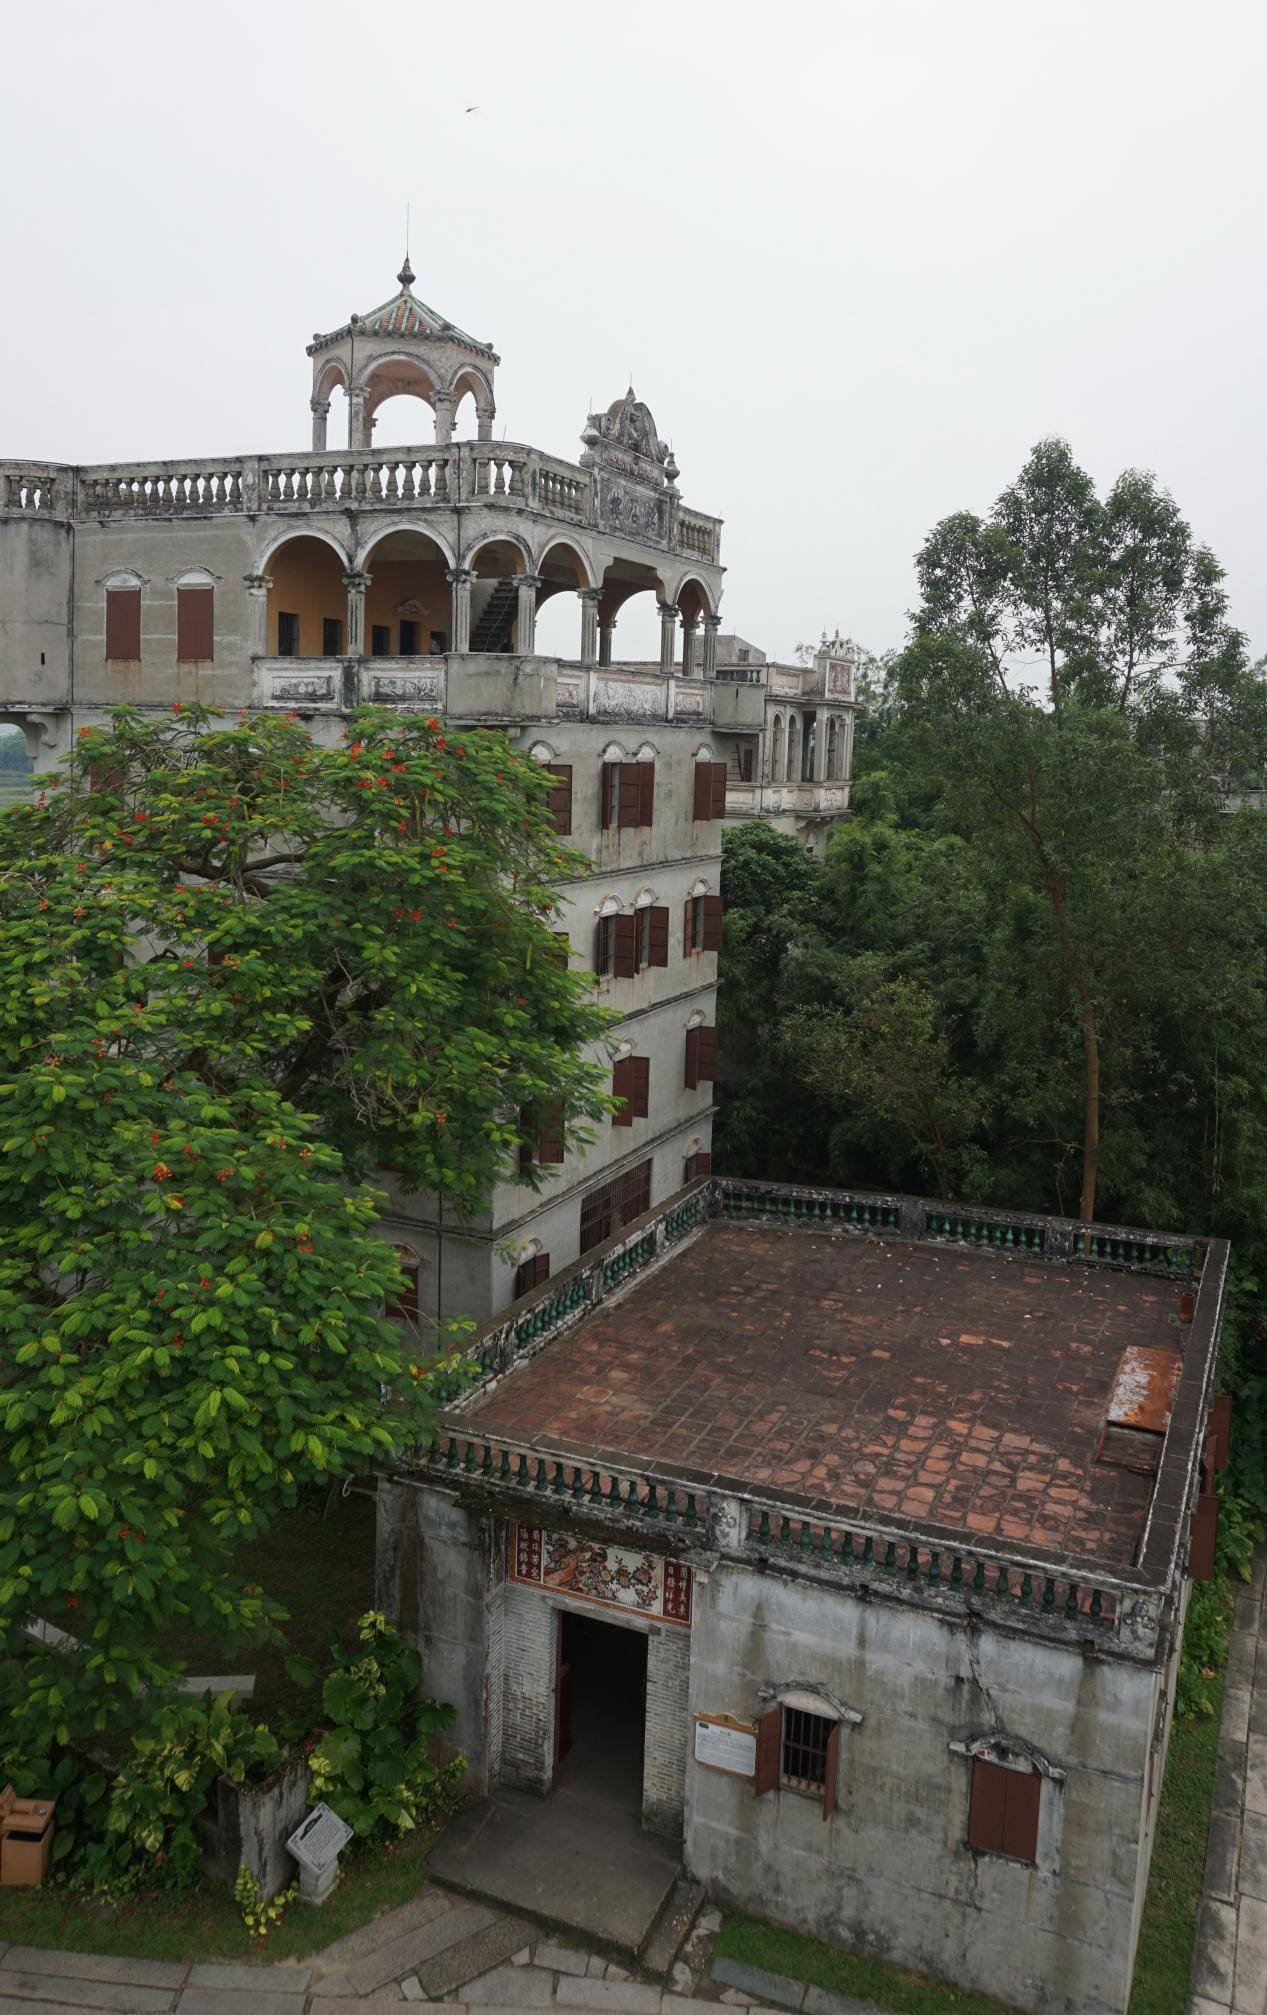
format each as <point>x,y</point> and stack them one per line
<point>804,1761</point>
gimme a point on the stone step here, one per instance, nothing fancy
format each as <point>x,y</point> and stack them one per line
<point>413,1951</point>
<point>440,1977</point>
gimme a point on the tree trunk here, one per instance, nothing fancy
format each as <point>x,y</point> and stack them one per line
<point>1091,1113</point>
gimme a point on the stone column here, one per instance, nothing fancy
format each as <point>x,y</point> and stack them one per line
<point>606,629</point>
<point>356,584</point>
<point>257,587</point>
<point>484,424</point>
<point>526,615</point>
<point>356,418</point>
<point>668,636</point>
<point>588,598</point>
<point>320,415</point>
<point>459,579</point>
<point>444,419</point>
<point>688,647</point>
<point>711,626</point>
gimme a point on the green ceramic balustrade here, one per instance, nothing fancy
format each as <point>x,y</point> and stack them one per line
<point>777,1533</point>
<point>646,1497</point>
<point>985,1231</point>
<point>864,1213</point>
<point>1177,1259</point>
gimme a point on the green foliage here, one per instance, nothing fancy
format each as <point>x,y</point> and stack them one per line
<point>374,1764</point>
<point>235,971</point>
<point>14,760</point>
<point>259,1917</point>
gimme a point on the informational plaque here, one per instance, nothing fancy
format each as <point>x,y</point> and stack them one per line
<point>318,1839</point>
<point>726,1744</point>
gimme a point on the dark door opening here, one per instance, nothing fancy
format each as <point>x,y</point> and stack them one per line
<point>600,1708</point>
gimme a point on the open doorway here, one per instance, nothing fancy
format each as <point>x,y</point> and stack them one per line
<point>600,1709</point>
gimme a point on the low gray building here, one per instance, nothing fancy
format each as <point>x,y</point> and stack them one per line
<point>847,1538</point>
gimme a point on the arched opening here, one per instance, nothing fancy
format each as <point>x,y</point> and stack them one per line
<point>495,595</point>
<point>408,604</point>
<point>693,605</point>
<point>807,749</point>
<point>393,390</point>
<point>833,746</point>
<point>307,602</point>
<point>330,417</point>
<point>793,748</point>
<point>776,750</point>
<point>631,595</point>
<point>473,408</point>
<point>563,573</point>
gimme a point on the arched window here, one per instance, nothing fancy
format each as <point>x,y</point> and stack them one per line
<point>776,749</point>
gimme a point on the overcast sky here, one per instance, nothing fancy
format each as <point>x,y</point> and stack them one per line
<point>858,257</point>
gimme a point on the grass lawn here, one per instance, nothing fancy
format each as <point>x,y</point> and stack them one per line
<point>1163,1965</point>
<point>322,1568</point>
<point>1167,1935</point>
<point>208,1925</point>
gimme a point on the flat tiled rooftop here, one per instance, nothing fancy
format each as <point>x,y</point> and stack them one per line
<point>917,1383</point>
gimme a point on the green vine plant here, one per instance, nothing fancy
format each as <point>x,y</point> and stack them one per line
<point>259,1917</point>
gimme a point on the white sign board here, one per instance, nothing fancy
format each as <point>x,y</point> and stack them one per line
<point>316,1842</point>
<point>726,1748</point>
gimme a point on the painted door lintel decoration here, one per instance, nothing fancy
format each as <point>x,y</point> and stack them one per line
<point>612,1577</point>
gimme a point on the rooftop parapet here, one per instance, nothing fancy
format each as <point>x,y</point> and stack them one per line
<point>654,1289</point>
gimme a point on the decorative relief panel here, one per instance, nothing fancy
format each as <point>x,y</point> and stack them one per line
<point>612,1577</point>
<point>786,684</point>
<point>293,686</point>
<point>631,511</point>
<point>688,703</point>
<point>838,683</point>
<point>623,700</point>
<point>569,696</point>
<point>419,689</point>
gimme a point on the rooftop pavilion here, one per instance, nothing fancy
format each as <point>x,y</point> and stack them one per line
<point>973,1407</point>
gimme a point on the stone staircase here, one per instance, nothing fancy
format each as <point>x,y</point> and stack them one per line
<point>495,624</point>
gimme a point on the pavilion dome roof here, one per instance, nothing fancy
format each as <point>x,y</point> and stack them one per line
<point>404,316</point>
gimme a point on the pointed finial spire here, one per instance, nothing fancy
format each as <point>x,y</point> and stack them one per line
<point>406,275</point>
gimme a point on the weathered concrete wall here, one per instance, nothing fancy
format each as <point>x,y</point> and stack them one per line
<point>434,1576</point>
<point>527,1688</point>
<point>36,557</point>
<point>249,1825</point>
<point>667,1729</point>
<point>890,1872</point>
<point>159,550</point>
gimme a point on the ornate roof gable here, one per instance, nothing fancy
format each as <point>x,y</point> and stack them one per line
<point>405,315</point>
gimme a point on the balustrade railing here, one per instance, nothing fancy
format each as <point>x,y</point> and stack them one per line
<point>508,1465</point>
<point>696,536</point>
<point>165,489</point>
<point>857,1211</point>
<point>33,489</point>
<point>978,1574</point>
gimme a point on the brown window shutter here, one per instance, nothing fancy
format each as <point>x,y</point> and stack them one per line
<point>985,1810</point>
<point>1221,1422</point>
<point>641,1086</point>
<point>625,958</point>
<point>600,946</point>
<point>608,814</point>
<point>832,1771</point>
<point>646,793</point>
<point>717,791</point>
<point>659,937</point>
<point>691,1078</point>
<point>1205,1532</point>
<point>559,802</point>
<point>550,1130</point>
<point>526,1127</point>
<point>123,625</point>
<point>195,625</point>
<point>688,927</point>
<point>707,1055</point>
<point>523,1278</point>
<point>703,791</point>
<point>540,1269</point>
<point>629,809</point>
<point>769,1743</point>
<point>703,1163</point>
<point>1020,1814</point>
<point>561,948</point>
<point>622,1087</point>
<point>712,923</point>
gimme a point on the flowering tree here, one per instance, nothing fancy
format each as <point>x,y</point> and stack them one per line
<point>236,970</point>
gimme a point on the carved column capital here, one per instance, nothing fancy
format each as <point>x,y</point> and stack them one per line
<point>356,582</point>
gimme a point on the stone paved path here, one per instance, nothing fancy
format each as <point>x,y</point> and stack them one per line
<point>459,1957</point>
<point>1231,1960</point>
